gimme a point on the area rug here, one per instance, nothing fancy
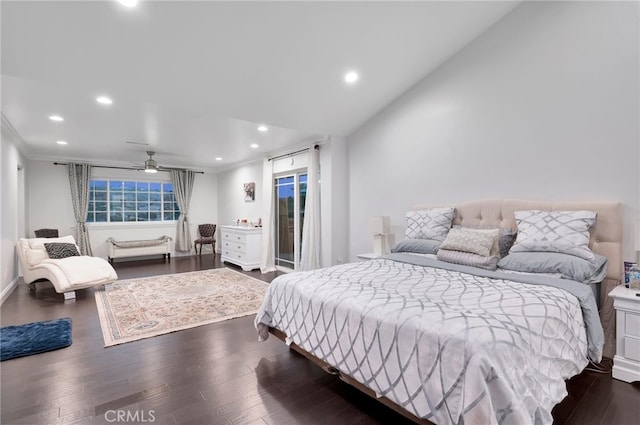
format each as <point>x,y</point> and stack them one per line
<point>134,309</point>
<point>34,338</point>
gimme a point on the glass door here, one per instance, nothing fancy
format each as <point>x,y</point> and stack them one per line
<point>291,194</point>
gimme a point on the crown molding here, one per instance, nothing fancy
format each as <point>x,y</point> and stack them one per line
<point>10,131</point>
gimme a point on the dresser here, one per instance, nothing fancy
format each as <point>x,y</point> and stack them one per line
<point>626,362</point>
<point>241,246</point>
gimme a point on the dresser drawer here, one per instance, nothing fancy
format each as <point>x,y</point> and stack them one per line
<point>234,255</point>
<point>234,237</point>
<point>632,324</point>
<point>234,246</point>
<point>632,348</point>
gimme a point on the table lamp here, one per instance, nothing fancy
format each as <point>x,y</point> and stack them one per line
<point>379,227</point>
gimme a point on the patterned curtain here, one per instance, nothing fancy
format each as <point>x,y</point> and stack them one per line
<point>79,176</point>
<point>183,188</point>
<point>311,245</point>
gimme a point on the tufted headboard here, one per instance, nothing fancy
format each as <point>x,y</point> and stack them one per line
<point>606,239</point>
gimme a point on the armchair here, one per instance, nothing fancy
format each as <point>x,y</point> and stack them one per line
<point>207,232</point>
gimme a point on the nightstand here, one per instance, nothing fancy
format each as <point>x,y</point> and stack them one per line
<point>367,256</point>
<point>626,362</point>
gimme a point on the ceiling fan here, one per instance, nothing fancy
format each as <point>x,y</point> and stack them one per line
<point>150,165</point>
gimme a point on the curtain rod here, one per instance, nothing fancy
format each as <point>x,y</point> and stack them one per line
<point>316,147</point>
<point>131,168</point>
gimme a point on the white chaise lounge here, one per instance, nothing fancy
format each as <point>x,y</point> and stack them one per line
<point>66,274</point>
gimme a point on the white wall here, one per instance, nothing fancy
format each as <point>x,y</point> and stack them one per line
<point>231,203</point>
<point>333,192</point>
<point>12,207</point>
<point>544,105</point>
<point>50,206</point>
<point>334,205</point>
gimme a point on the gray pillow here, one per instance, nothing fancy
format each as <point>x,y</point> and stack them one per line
<point>418,246</point>
<point>468,259</point>
<point>58,251</point>
<point>569,266</point>
<point>554,231</point>
<point>506,240</point>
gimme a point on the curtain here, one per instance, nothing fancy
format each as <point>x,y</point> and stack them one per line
<point>311,246</point>
<point>79,176</point>
<point>268,261</point>
<point>183,188</point>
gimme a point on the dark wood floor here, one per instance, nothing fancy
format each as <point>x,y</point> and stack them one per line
<point>214,374</point>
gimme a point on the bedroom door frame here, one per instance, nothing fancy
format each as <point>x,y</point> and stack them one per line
<point>298,177</point>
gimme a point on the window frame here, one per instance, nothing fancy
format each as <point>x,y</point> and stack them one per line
<point>137,183</point>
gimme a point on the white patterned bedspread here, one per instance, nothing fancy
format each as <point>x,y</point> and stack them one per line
<point>447,346</point>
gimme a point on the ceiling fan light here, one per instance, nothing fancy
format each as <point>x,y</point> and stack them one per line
<point>150,166</point>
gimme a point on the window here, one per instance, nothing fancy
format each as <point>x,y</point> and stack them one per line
<point>117,201</point>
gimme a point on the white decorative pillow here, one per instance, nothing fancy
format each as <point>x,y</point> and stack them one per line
<point>431,224</point>
<point>554,231</point>
<point>467,240</point>
<point>35,256</point>
<point>493,232</point>
<point>506,238</point>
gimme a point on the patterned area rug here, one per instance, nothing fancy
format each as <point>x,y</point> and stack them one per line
<point>134,309</point>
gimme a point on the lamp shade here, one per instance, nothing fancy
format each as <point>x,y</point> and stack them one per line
<point>379,225</point>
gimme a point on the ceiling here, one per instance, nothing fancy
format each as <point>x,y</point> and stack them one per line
<point>194,80</point>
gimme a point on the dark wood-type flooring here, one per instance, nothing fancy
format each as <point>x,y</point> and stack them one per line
<point>213,374</point>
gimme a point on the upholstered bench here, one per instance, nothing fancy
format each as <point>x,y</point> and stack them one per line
<point>121,249</point>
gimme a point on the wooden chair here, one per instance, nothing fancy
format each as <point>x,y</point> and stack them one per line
<point>207,232</point>
<point>46,233</point>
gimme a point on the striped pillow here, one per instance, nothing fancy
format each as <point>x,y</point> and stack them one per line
<point>468,259</point>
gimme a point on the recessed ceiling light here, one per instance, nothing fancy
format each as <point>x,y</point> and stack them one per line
<point>254,145</point>
<point>104,100</point>
<point>263,128</point>
<point>61,142</point>
<point>56,118</point>
<point>218,158</point>
<point>128,3</point>
<point>351,77</point>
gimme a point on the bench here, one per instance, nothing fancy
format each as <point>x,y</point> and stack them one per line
<point>121,249</point>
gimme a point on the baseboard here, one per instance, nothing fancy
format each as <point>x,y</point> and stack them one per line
<point>8,290</point>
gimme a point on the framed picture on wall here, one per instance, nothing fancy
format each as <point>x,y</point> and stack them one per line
<point>250,192</point>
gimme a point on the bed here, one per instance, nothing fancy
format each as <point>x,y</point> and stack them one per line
<point>449,343</point>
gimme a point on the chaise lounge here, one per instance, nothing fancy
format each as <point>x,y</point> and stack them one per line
<point>66,274</point>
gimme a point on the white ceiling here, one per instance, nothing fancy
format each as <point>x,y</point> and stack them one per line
<point>195,79</point>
